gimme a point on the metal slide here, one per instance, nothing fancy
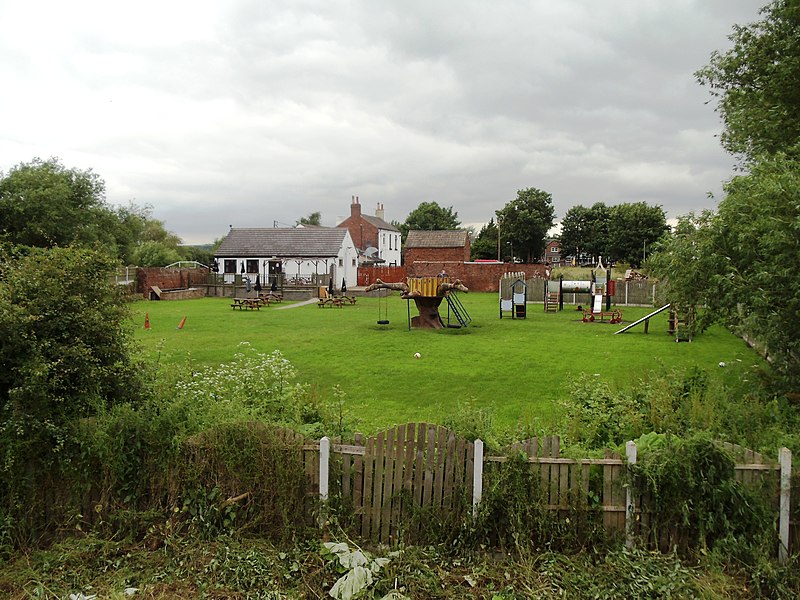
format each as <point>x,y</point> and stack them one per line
<point>460,313</point>
<point>652,314</point>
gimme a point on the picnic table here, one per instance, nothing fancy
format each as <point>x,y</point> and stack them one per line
<point>247,303</point>
<point>271,297</point>
<point>323,302</point>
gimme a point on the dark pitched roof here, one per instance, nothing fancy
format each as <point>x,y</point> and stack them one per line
<point>456,238</point>
<point>309,242</point>
<point>379,223</point>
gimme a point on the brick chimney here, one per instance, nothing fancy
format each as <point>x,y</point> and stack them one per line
<point>355,208</point>
<point>379,212</point>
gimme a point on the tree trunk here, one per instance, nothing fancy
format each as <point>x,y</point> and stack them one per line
<point>428,318</point>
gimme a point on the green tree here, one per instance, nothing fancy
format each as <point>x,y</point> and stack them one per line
<point>741,263</point>
<point>44,204</point>
<point>584,231</point>
<point>525,222</point>
<point>429,216</point>
<point>755,83</point>
<point>573,231</point>
<point>66,355</point>
<point>315,218</point>
<point>485,244</point>
<point>155,254</point>
<point>633,229</point>
<point>202,254</point>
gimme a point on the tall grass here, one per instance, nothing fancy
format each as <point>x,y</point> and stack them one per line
<point>517,369</point>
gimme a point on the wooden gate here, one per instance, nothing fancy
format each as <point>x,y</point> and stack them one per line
<point>406,467</point>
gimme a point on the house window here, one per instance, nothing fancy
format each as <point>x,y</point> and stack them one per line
<point>554,249</point>
<point>230,265</point>
<point>390,241</point>
<point>341,262</point>
<point>354,262</point>
<point>252,266</point>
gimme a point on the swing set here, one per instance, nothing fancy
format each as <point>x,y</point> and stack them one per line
<point>383,306</point>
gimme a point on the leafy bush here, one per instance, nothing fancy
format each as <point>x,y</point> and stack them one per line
<point>66,356</point>
<point>694,497</point>
<point>732,408</point>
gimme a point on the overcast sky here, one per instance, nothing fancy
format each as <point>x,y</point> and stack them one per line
<point>251,112</point>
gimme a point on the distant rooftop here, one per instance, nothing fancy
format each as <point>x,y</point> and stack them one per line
<point>286,242</point>
<point>455,238</point>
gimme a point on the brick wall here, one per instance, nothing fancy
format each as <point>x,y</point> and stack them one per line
<point>478,277</point>
<point>167,279</point>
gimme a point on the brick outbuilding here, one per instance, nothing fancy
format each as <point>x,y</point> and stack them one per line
<point>445,246</point>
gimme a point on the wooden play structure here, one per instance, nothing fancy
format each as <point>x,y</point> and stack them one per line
<point>552,296</point>
<point>513,296</point>
<point>645,319</point>
<point>555,291</point>
<point>681,322</point>
<point>596,312</point>
<point>428,293</point>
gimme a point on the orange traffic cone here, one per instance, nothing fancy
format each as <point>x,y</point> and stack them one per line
<point>147,320</point>
<point>182,323</point>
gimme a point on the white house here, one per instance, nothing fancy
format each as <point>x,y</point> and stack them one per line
<point>377,240</point>
<point>293,255</point>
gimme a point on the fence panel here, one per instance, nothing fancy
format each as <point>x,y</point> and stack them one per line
<point>368,275</point>
<point>426,466</point>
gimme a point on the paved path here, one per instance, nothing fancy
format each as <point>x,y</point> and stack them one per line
<point>296,304</point>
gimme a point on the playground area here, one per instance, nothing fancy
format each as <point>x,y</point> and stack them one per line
<point>521,369</point>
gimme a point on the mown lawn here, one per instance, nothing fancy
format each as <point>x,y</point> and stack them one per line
<point>518,368</point>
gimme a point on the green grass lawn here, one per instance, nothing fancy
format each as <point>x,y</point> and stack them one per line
<point>518,368</point>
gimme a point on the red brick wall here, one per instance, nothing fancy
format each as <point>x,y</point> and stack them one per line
<point>167,279</point>
<point>478,277</point>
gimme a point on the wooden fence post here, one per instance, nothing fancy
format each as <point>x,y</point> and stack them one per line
<point>477,476</point>
<point>785,457</point>
<point>630,500</point>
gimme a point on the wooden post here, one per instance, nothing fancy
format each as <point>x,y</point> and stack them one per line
<point>630,501</point>
<point>785,457</point>
<point>477,477</point>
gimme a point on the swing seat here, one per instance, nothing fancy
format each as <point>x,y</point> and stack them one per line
<point>454,326</point>
<point>383,322</point>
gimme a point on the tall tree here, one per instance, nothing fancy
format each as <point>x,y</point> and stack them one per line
<point>485,244</point>
<point>633,228</point>
<point>44,204</point>
<point>429,216</point>
<point>525,222</point>
<point>755,83</point>
<point>574,231</point>
<point>741,263</point>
